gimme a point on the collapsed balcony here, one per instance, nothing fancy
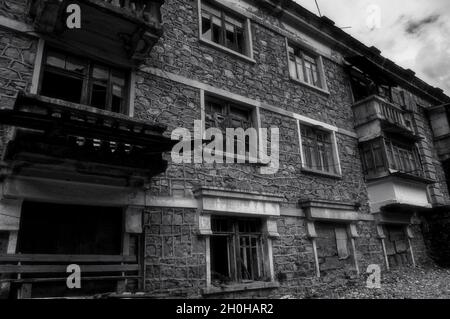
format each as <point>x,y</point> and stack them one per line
<point>125,30</point>
<point>71,140</point>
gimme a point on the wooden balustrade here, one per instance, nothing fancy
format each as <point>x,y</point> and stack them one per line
<point>147,10</point>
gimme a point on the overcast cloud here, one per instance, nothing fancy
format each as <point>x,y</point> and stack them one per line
<point>413,33</point>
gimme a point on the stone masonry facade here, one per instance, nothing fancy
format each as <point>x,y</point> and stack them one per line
<point>169,89</point>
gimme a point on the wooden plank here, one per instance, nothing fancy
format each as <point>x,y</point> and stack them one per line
<point>67,258</point>
<point>94,278</point>
<point>35,269</point>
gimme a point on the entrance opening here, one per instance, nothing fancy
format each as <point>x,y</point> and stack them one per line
<point>53,229</point>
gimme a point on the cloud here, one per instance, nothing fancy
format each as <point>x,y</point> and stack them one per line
<point>413,33</point>
<point>415,26</point>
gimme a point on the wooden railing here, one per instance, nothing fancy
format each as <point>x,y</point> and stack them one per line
<point>28,269</point>
<point>147,10</point>
<point>391,113</point>
<point>375,107</point>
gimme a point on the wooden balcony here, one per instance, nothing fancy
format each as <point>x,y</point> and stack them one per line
<point>71,140</point>
<point>374,115</point>
<point>120,30</point>
<point>28,270</point>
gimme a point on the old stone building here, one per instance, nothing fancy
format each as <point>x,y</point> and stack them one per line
<point>87,177</point>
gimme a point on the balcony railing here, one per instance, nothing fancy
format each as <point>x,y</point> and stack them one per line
<point>146,10</point>
<point>25,270</point>
<point>375,107</point>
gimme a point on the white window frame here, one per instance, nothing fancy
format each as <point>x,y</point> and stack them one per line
<point>322,77</point>
<point>248,33</point>
<point>335,150</point>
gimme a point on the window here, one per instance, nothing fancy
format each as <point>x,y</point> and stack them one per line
<point>403,158</point>
<point>400,157</point>
<point>224,28</point>
<point>237,253</point>
<point>223,114</point>
<point>83,81</point>
<point>373,159</point>
<point>317,149</point>
<point>304,67</point>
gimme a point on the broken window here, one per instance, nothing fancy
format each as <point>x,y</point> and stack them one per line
<point>223,28</point>
<point>83,81</point>
<point>403,158</point>
<point>400,157</point>
<point>237,253</point>
<point>317,149</point>
<point>304,67</point>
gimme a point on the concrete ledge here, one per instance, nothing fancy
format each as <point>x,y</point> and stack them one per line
<point>240,288</point>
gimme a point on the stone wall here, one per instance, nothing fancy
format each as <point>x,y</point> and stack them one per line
<point>14,9</point>
<point>17,54</point>
<point>293,256</point>
<point>174,254</point>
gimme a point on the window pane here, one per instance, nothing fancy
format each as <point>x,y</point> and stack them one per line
<point>56,59</point>
<point>75,65</point>
<point>100,73</point>
<point>220,260</point>
<point>98,97</point>
<point>229,36</point>
<point>62,87</point>
<point>206,26</point>
<point>240,40</point>
<point>292,66</point>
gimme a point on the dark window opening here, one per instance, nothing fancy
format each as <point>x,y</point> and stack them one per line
<point>223,28</point>
<point>237,250</point>
<point>83,81</point>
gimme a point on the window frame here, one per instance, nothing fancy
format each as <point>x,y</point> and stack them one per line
<point>391,152</point>
<point>334,154</point>
<point>234,246</point>
<point>311,53</point>
<point>224,9</point>
<point>88,80</point>
<point>255,118</point>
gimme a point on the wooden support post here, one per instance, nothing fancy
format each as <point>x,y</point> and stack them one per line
<point>355,257</point>
<point>312,234</point>
<point>353,232</point>
<point>386,259</point>
<point>410,235</point>
<point>316,257</point>
<point>382,236</point>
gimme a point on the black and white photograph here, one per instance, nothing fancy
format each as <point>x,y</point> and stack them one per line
<point>227,155</point>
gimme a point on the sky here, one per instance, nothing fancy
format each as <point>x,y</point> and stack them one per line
<point>413,33</point>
